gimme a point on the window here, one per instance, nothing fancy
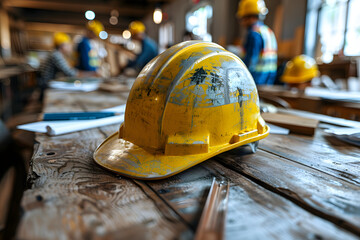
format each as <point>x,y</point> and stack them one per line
<point>332,27</point>
<point>166,36</point>
<point>352,39</point>
<point>198,21</point>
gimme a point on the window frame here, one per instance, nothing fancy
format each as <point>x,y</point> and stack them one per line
<point>311,42</point>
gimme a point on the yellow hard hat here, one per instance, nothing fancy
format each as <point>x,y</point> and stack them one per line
<point>190,103</point>
<point>251,7</point>
<point>136,27</point>
<point>61,38</point>
<point>300,69</point>
<point>95,26</point>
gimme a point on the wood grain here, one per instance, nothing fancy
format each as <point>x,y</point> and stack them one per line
<point>322,194</point>
<point>326,154</point>
<point>253,212</point>
<point>277,193</point>
<point>6,186</point>
<point>295,124</point>
<point>257,213</point>
<point>73,198</point>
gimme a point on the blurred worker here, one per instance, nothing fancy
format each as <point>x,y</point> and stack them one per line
<point>260,46</point>
<point>55,62</point>
<point>88,56</point>
<point>299,72</point>
<point>149,48</point>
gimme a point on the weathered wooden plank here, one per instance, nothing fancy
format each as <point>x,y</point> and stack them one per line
<point>284,220</point>
<point>6,186</point>
<point>65,101</point>
<point>295,124</point>
<point>73,198</point>
<point>186,203</point>
<point>328,155</point>
<point>324,195</point>
<point>253,211</point>
<point>186,192</point>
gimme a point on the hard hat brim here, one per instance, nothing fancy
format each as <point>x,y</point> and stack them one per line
<point>127,159</point>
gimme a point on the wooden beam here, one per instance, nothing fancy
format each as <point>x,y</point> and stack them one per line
<point>49,27</point>
<point>76,7</point>
<point>68,28</point>
<point>296,124</point>
<point>70,18</point>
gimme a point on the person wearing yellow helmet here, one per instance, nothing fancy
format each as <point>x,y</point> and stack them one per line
<point>149,48</point>
<point>299,72</point>
<point>56,63</point>
<point>88,58</point>
<point>260,47</point>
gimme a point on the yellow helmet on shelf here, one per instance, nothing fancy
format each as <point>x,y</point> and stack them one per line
<point>61,38</point>
<point>95,26</point>
<point>136,27</point>
<point>300,69</point>
<point>251,7</point>
<point>190,103</point>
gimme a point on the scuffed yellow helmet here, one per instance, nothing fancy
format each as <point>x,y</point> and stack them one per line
<point>136,27</point>
<point>61,38</point>
<point>190,103</point>
<point>300,69</point>
<point>95,26</point>
<point>251,7</point>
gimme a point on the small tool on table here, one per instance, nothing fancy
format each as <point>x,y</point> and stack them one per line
<point>77,116</point>
<point>212,221</point>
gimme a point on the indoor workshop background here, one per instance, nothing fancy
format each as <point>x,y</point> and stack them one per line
<point>99,142</point>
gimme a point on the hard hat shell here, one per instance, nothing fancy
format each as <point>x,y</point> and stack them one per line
<point>251,7</point>
<point>192,102</point>
<point>136,27</point>
<point>61,38</point>
<point>95,26</point>
<point>300,69</point>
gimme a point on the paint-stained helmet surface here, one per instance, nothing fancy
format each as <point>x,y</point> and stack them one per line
<point>190,103</point>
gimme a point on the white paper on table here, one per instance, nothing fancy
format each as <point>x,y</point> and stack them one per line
<point>83,87</point>
<point>350,135</point>
<point>53,128</point>
<point>327,94</point>
<point>278,130</point>
<point>342,131</point>
<point>117,109</point>
<point>321,117</point>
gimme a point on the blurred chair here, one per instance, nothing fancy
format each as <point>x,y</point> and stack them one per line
<point>12,184</point>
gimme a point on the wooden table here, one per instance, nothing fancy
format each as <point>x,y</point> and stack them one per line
<point>16,85</point>
<point>299,100</point>
<point>293,187</point>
